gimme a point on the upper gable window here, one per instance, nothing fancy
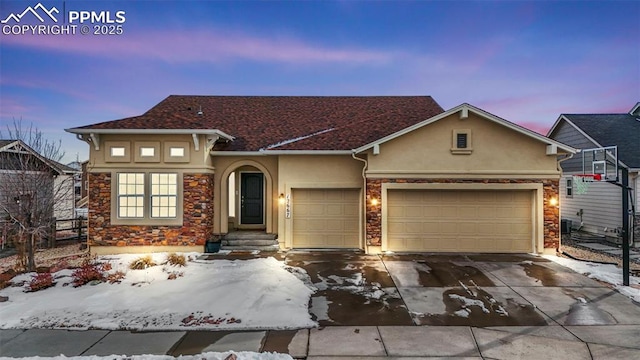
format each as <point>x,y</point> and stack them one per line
<point>176,152</point>
<point>461,142</point>
<point>147,151</point>
<point>117,151</point>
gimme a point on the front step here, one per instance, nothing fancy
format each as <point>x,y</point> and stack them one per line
<point>250,240</point>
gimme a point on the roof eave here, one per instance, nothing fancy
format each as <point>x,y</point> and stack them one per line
<point>83,131</point>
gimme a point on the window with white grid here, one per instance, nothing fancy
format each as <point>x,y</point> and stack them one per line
<point>130,195</point>
<point>164,195</point>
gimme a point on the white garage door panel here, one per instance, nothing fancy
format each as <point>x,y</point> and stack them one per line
<point>326,218</point>
<point>459,221</point>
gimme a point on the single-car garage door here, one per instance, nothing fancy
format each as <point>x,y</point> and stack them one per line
<point>459,221</point>
<point>325,218</point>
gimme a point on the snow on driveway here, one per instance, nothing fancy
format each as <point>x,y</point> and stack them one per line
<point>604,272</point>
<point>217,294</point>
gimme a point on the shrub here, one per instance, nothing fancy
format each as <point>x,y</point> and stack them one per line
<point>5,278</point>
<point>175,274</point>
<point>40,281</point>
<point>115,277</point>
<point>142,263</point>
<point>89,271</point>
<point>176,260</point>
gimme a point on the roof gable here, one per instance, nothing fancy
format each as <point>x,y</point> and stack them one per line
<point>20,147</point>
<point>464,110</point>
<point>281,123</point>
<point>621,130</point>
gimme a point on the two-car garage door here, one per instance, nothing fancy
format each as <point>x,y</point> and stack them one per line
<point>326,218</point>
<point>459,221</point>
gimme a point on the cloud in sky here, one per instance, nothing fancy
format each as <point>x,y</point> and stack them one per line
<point>203,45</point>
<point>526,61</point>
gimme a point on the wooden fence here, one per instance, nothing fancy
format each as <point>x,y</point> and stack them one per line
<point>66,230</point>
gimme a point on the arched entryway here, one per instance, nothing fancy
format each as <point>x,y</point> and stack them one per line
<point>246,197</point>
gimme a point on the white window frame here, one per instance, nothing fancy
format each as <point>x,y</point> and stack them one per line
<point>172,199</point>
<point>147,151</point>
<point>118,151</point>
<point>175,151</point>
<point>163,197</point>
<point>130,188</point>
<point>569,187</point>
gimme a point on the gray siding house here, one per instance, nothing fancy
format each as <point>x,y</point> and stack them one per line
<point>25,175</point>
<point>599,209</point>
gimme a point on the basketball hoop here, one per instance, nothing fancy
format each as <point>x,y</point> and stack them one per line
<point>581,182</point>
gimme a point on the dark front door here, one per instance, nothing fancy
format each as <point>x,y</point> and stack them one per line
<point>251,198</point>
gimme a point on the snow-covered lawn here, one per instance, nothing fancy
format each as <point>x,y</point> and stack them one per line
<point>602,272</point>
<point>217,294</point>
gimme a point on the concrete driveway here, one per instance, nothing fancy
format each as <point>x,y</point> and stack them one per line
<point>457,290</point>
<point>505,307</point>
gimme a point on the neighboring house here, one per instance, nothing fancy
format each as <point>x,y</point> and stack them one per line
<point>81,189</point>
<point>389,173</point>
<point>599,210</point>
<point>26,175</point>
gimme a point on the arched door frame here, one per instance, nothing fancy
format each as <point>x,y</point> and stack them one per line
<point>224,194</point>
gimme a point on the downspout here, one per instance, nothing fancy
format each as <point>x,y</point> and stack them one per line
<point>559,203</point>
<point>364,191</point>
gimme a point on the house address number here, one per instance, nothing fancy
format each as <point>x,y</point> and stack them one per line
<point>287,207</point>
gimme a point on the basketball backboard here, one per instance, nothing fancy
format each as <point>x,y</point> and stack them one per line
<point>601,161</point>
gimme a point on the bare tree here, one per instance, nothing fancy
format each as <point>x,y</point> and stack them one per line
<point>31,188</point>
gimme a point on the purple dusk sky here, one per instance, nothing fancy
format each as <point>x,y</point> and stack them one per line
<point>525,61</point>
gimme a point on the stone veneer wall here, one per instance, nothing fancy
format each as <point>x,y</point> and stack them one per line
<point>197,224</point>
<point>551,213</point>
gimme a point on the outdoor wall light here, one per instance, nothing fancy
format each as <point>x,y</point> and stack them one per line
<point>553,201</point>
<point>281,199</point>
<point>374,202</point>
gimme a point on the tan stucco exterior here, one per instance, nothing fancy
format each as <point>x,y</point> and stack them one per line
<point>496,152</point>
<point>314,172</point>
<point>100,159</point>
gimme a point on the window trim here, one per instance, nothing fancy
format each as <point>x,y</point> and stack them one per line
<point>112,151</point>
<point>569,187</point>
<point>177,159</point>
<point>177,148</point>
<point>169,196</point>
<point>147,219</point>
<point>139,145</point>
<point>109,145</point>
<point>134,195</point>
<point>455,150</point>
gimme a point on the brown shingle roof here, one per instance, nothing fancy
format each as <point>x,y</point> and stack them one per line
<point>286,122</point>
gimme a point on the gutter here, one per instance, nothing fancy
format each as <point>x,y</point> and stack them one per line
<point>280,152</point>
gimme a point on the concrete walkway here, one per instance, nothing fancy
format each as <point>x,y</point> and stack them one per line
<point>341,342</point>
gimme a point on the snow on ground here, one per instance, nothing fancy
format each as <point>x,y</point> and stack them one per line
<point>242,355</point>
<point>603,272</point>
<point>216,294</point>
